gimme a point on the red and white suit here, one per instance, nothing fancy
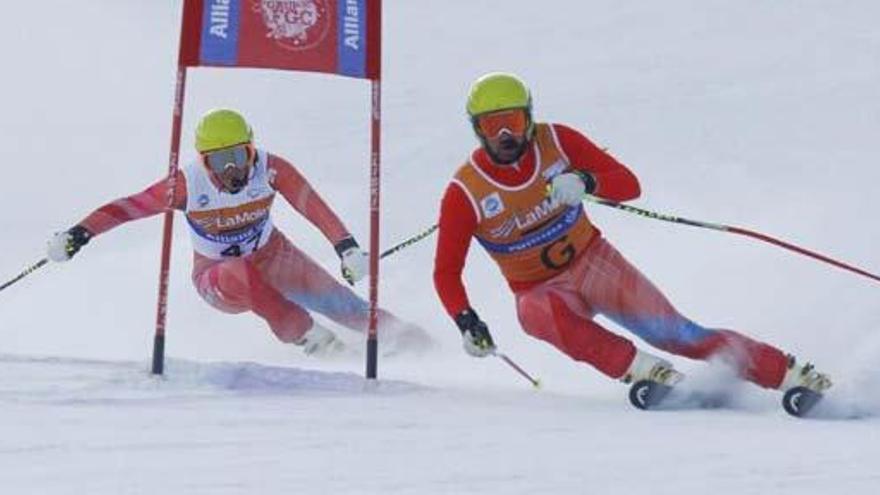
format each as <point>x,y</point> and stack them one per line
<point>561,269</point>
<point>241,261</point>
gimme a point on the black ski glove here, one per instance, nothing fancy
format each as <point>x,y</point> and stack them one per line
<point>64,245</point>
<point>589,181</point>
<point>355,262</point>
<point>477,340</point>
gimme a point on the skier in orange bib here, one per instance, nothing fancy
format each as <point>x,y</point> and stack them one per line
<point>520,196</point>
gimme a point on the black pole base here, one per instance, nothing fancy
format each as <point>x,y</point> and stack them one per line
<point>372,357</point>
<point>158,354</point>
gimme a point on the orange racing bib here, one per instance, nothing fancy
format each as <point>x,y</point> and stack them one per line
<point>531,237</point>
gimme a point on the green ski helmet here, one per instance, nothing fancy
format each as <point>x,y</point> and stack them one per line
<point>222,128</point>
<point>497,91</point>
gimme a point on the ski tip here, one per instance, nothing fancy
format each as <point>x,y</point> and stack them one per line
<point>799,401</point>
<point>647,394</point>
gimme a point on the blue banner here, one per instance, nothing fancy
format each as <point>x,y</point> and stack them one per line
<point>220,26</point>
<point>352,38</point>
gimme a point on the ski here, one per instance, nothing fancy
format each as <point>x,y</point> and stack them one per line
<point>649,395</point>
<point>800,401</point>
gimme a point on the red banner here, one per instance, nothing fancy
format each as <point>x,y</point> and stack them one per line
<point>333,36</point>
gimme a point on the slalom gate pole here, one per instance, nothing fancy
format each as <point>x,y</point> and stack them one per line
<point>534,381</point>
<point>27,271</point>
<point>372,364</point>
<point>168,227</point>
<point>168,224</point>
<point>733,230</point>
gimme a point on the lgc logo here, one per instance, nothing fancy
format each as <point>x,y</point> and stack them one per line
<point>295,24</point>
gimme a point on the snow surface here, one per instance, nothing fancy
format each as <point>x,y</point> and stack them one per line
<point>759,114</point>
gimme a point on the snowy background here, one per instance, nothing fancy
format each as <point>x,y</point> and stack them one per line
<point>759,114</point>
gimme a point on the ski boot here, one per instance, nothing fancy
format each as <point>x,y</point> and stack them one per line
<point>652,379</point>
<point>321,342</point>
<point>804,387</point>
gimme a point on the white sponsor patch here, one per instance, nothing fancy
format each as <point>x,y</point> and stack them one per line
<point>491,205</point>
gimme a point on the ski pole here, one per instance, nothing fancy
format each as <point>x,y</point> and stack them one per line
<point>534,381</point>
<point>684,221</point>
<point>409,242</point>
<point>733,230</point>
<point>27,271</point>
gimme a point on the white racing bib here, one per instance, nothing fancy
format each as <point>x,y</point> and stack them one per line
<point>228,225</point>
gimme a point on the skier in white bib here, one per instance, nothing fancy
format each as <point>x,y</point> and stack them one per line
<point>241,261</point>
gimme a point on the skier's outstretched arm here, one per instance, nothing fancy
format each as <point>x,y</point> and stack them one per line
<point>151,201</point>
<point>457,224</point>
<point>304,199</point>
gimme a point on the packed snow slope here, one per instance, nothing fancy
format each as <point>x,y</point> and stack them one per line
<point>760,114</point>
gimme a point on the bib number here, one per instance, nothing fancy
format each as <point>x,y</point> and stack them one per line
<point>235,250</point>
<point>558,254</point>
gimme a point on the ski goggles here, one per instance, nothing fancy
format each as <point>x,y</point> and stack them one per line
<point>514,121</point>
<point>222,159</point>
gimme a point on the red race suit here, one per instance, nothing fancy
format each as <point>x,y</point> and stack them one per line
<point>561,269</point>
